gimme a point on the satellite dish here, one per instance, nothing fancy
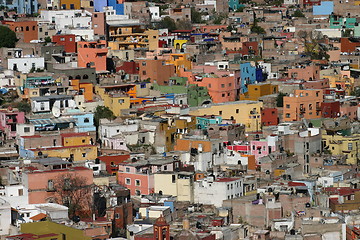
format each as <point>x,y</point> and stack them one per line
<point>56,111</point>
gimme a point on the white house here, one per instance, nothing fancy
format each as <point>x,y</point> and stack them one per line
<point>5,217</point>
<point>64,19</point>
<point>155,14</point>
<point>7,79</point>
<point>213,190</point>
<point>25,64</point>
<point>46,103</point>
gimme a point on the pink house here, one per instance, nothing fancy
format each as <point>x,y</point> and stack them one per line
<point>40,183</point>
<point>263,147</point>
<point>138,176</point>
<point>8,120</point>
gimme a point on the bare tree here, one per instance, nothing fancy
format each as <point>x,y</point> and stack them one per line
<point>76,193</point>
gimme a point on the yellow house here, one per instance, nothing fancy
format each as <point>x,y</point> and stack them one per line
<point>75,153</point>
<point>179,44</point>
<point>244,112</point>
<point>180,61</point>
<point>179,184</point>
<point>115,100</point>
<point>255,91</point>
<point>47,227</point>
<point>126,37</point>
<point>76,139</point>
<point>345,82</point>
<point>343,146</point>
<point>70,4</point>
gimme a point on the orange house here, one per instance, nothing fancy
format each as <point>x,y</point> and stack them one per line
<point>158,71</point>
<point>83,88</point>
<point>92,54</point>
<point>306,73</point>
<point>25,30</point>
<point>221,88</point>
<point>303,104</point>
<point>70,4</point>
<point>188,144</point>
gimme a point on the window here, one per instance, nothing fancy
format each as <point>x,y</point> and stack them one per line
<point>137,182</point>
<point>21,192</point>
<point>117,216</point>
<point>26,129</point>
<point>86,120</point>
<point>121,101</point>
<point>173,178</point>
<point>237,110</point>
<point>83,141</point>
<point>222,85</point>
<point>143,63</point>
<point>83,154</point>
<point>287,105</point>
<point>137,192</point>
<point>350,146</point>
<point>220,112</point>
<point>127,169</point>
<point>288,115</point>
<point>127,181</point>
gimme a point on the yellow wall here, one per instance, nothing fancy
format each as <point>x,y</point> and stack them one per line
<point>46,227</point>
<point>339,145</point>
<point>278,172</point>
<point>76,141</point>
<point>346,83</point>
<point>241,111</point>
<point>182,188</point>
<point>116,104</point>
<point>255,91</point>
<point>91,152</point>
<point>180,61</point>
<point>77,4</point>
<point>178,44</point>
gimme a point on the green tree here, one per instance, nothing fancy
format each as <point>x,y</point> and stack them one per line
<point>7,37</point>
<point>168,23</point>
<point>298,13</point>
<point>280,99</point>
<point>24,106</point>
<point>47,39</point>
<point>196,16</point>
<point>103,112</point>
<point>183,25</point>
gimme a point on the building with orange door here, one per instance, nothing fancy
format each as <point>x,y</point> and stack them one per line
<point>303,104</point>
<point>92,54</point>
<point>25,30</point>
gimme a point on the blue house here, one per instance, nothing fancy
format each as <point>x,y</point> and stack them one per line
<point>21,6</point>
<point>84,122</point>
<point>247,76</point>
<point>100,4</point>
<point>204,121</point>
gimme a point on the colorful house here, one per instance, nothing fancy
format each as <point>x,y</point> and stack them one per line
<point>66,40</point>
<point>92,54</point>
<point>247,76</point>
<point>9,118</point>
<point>303,104</point>
<point>116,97</point>
<point>244,112</point>
<point>255,91</point>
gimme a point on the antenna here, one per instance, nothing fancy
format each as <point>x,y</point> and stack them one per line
<point>56,111</point>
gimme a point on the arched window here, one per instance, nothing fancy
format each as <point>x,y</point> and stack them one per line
<point>78,77</point>
<point>27,28</point>
<point>33,28</point>
<point>70,78</point>
<point>85,46</point>
<point>85,76</point>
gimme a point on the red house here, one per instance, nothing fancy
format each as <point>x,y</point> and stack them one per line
<point>269,117</point>
<point>112,162</point>
<point>330,109</point>
<point>66,40</point>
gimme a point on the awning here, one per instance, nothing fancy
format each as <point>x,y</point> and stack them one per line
<point>52,121</point>
<point>38,217</point>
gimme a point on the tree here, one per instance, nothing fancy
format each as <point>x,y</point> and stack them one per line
<point>103,112</point>
<point>47,39</point>
<point>196,16</point>
<point>255,28</point>
<point>183,25</point>
<point>280,99</point>
<point>75,192</point>
<point>24,106</point>
<point>168,23</point>
<point>7,37</point>
<point>298,13</point>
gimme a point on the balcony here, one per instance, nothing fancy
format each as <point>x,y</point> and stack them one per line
<point>302,109</point>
